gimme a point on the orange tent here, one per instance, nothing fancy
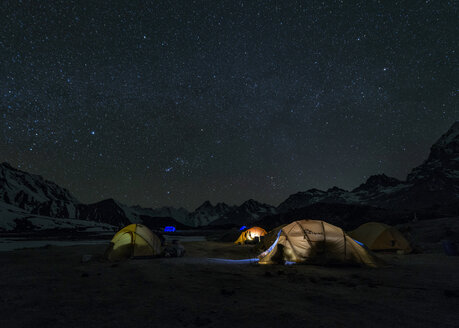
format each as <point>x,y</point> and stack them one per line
<point>250,234</point>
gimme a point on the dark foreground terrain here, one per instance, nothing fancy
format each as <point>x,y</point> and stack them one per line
<point>52,287</point>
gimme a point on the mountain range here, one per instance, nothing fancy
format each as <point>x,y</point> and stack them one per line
<point>433,183</point>
<point>26,199</point>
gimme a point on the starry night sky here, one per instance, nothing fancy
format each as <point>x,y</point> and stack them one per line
<point>177,102</point>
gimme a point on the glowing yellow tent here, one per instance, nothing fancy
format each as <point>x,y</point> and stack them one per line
<point>318,242</point>
<point>250,235</point>
<point>379,236</point>
<point>135,240</point>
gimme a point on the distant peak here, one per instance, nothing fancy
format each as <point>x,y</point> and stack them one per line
<point>206,204</point>
<point>451,135</point>
<point>251,201</point>
<point>378,180</point>
<point>443,156</point>
<point>110,201</point>
<point>335,189</point>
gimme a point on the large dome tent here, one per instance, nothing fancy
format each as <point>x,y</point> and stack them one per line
<point>316,242</point>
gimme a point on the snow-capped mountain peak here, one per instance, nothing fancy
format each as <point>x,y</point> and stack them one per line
<point>443,160</point>
<point>447,145</point>
<point>376,182</point>
<point>34,194</point>
<point>206,213</point>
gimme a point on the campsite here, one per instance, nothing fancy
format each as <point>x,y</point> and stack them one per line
<point>55,286</point>
<point>229,164</point>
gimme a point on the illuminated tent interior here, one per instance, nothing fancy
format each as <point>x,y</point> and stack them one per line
<point>135,240</point>
<point>250,235</point>
<point>379,236</point>
<point>316,242</point>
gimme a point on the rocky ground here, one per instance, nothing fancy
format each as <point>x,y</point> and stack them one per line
<point>52,287</point>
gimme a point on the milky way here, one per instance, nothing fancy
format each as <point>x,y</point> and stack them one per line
<point>176,102</point>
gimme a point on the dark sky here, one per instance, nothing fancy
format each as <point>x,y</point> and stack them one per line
<point>177,102</point>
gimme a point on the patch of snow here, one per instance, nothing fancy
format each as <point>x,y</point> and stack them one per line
<point>9,214</point>
<point>71,210</point>
<point>390,190</point>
